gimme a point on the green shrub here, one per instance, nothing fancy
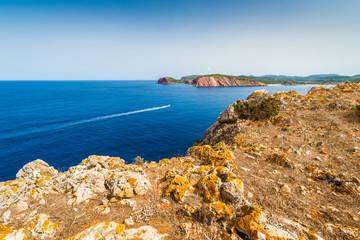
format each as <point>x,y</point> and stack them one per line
<point>248,110</point>
<point>138,161</point>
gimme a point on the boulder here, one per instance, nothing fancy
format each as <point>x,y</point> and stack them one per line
<point>230,114</point>
<point>126,183</point>
<point>35,170</point>
<point>215,211</point>
<point>257,96</point>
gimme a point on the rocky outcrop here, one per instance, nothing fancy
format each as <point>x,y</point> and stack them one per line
<point>293,175</point>
<point>165,80</point>
<point>225,81</point>
<point>214,81</point>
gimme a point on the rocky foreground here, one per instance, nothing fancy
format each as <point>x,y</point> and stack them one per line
<point>281,166</point>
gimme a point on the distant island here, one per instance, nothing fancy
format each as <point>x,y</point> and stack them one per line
<point>220,80</point>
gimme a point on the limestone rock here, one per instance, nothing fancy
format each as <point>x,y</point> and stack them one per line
<point>125,184</point>
<point>232,190</point>
<point>129,221</point>
<point>179,187</point>
<point>13,191</point>
<point>229,115</point>
<point>35,170</point>
<point>208,186</point>
<point>250,224</point>
<point>6,216</point>
<point>103,209</point>
<point>215,211</point>
<point>257,96</point>
<point>103,230</point>
<point>274,231</point>
<point>21,206</point>
<point>142,233</point>
<point>40,228</point>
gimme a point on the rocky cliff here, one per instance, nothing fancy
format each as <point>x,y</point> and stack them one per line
<point>215,80</point>
<point>169,80</point>
<point>281,166</point>
<point>224,81</point>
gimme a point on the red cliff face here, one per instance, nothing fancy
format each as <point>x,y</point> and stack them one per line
<point>225,81</point>
<point>164,80</point>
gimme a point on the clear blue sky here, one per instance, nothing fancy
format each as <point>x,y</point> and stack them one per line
<point>134,39</point>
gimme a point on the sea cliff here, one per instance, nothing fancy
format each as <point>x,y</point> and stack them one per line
<point>214,80</point>
<point>281,166</point>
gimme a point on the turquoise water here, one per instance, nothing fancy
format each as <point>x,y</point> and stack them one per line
<point>63,122</point>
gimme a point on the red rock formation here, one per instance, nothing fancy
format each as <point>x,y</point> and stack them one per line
<point>164,80</point>
<point>225,81</point>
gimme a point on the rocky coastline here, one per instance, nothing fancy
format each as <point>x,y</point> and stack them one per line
<point>282,166</point>
<point>215,80</point>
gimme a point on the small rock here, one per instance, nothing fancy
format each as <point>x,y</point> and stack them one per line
<point>353,149</point>
<point>129,221</point>
<point>186,227</point>
<point>21,206</point>
<point>6,216</point>
<point>232,190</point>
<point>42,201</point>
<point>82,193</point>
<point>130,203</point>
<point>285,188</point>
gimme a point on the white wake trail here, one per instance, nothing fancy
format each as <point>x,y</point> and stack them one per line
<point>59,126</point>
<point>114,115</point>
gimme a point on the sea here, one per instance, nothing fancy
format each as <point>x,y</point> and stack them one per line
<point>63,122</point>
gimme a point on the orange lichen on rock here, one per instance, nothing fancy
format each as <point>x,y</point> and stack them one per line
<point>208,186</point>
<point>217,155</point>
<point>14,188</point>
<point>216,211</point>
<point>250,224</point>
<point>4,231</point>
<point>132,181</point>
<point>280,160</point>
<point>167,160</point>
<point>178,187</point>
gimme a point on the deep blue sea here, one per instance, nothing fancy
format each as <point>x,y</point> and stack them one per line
<point>63,122</point>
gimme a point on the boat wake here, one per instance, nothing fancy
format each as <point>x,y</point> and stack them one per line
<point>59,126</point>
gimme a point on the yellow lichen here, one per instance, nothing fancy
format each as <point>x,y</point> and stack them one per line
<point>280,160</point>
<point>45,225</point>
<point>119,228</point>
<point>208,187</point>
<point>251,223</point>
<point>178,187</point>
<point>8,182</point>
<point>132,182</point>
<point>217,210</point>
<point>14,188</point>
<point>217,155</point>
<point>106,225</point>
<point>4,231</point>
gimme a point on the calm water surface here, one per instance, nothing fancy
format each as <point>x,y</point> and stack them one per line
<point>63,122</point>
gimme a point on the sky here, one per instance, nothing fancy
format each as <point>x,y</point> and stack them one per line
<point>145,40</point>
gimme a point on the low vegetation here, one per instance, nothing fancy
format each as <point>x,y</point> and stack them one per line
<point>249,110</point>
